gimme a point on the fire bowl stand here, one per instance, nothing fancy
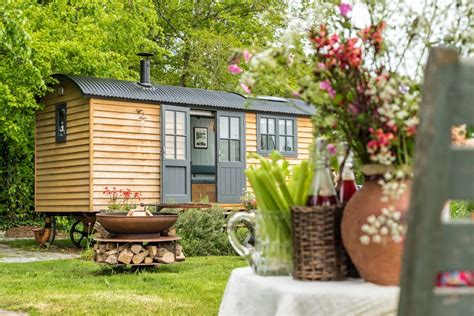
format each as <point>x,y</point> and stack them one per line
<point>137,252</point>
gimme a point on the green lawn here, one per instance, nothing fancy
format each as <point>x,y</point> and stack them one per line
<point>77,287</point>
<point>60,245</point>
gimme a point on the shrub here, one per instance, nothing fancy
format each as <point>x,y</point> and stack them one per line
<point>204,234</point>
<point>461,209</point>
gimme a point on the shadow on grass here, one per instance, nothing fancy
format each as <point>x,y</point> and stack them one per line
<point>107,270</point>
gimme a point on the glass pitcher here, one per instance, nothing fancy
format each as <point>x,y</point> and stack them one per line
<point>272,254</point>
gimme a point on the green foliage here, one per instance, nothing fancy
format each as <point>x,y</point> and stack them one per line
<point>64,223</point>
<point>201,35</point>
<point>17,105</point>
<point>461,209</point>
<point>282,70</point>
<point>87,254</point>
<point>37,40</point>
<point>204,234</point>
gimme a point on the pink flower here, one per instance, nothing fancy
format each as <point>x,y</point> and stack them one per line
<point>321,66</point>
<point>331,149</point>
<point>233,68</point>
<point>245,87</point>
<point>345,9</point>
<point>296,94</point>
<point>326,85</point>
<point>246,55</point>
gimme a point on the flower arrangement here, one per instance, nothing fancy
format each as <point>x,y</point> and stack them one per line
<point>375,109</point>
<point>121,199</point>
<point>359,99</point>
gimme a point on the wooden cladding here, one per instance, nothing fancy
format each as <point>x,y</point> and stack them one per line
<point>126,149</point>
<point>62,153</point>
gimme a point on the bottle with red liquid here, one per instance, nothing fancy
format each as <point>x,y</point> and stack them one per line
<point>322,191</point>
<point>348,186</point>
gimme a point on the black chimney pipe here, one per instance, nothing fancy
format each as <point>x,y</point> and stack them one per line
<point>145,69</point>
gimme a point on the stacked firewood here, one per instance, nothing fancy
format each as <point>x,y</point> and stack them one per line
<point>137,253</point>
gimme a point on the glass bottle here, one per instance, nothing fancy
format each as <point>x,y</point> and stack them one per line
<point>348,186</point>
<point>322,191</point>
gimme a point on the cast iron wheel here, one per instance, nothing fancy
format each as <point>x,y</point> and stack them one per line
<point>80,234</point>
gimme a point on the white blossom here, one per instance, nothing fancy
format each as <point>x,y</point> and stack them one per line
<point>371,219</point>
<point>377,239</point>
<point>397,215</point>
<point>366,228</point>
<point>364,239</point>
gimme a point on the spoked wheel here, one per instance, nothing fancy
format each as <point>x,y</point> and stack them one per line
<point>80,233</point>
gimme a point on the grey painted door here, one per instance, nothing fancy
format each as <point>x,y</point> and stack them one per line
<point>231,156</point>
<point>176,169</point>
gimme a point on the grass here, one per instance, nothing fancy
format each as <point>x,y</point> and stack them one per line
<point>77,287</point>
<point>60,245</point>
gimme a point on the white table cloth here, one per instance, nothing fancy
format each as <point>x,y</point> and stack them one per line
<point>248,294</point>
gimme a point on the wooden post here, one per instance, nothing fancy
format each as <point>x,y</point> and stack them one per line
<point>426,236</point>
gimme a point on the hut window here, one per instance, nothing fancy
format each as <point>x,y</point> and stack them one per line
<point>61,123</point>
<point>175,138</point>
<point>229,139</point>
<point>276,133</point>
<point>286,138</point>
<point>267,134</point>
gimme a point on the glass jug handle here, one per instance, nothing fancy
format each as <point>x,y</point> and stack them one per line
<point>249,219</point>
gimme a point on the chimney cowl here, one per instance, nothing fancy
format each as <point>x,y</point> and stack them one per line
<point>145,69</point>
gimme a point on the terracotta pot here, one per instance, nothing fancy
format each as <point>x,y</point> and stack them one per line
<point>377,263</point>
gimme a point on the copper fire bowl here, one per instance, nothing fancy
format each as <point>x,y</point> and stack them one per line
<point>120,223</point>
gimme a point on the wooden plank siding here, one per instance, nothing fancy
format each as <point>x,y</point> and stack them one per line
<point>304,138</point>
<point>108,145</point>
<point>62,169</point>
<point>126,152</point>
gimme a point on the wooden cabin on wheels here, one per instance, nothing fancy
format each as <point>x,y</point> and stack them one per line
<point>172,144</point>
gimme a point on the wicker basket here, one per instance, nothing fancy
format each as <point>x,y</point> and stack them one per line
<point>318,253</point>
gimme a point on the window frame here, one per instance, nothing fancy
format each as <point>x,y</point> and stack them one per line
<point>175,135</point>
<point>229,139</point>
<point>60,138</point>
<point>268,134</point>
<point>277,134</point>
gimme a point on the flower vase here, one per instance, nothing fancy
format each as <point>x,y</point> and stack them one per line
<point>376,255</point>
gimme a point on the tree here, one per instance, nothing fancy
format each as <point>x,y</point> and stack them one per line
<point>39,38</point>
<point>412,28</point>
<point>201,36</point>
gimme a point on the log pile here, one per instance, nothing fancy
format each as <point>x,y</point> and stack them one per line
<point>137,253</point>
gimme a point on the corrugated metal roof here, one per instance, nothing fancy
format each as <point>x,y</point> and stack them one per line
<point>174,95</point>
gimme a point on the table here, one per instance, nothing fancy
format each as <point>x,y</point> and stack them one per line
<point>248,294</point>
